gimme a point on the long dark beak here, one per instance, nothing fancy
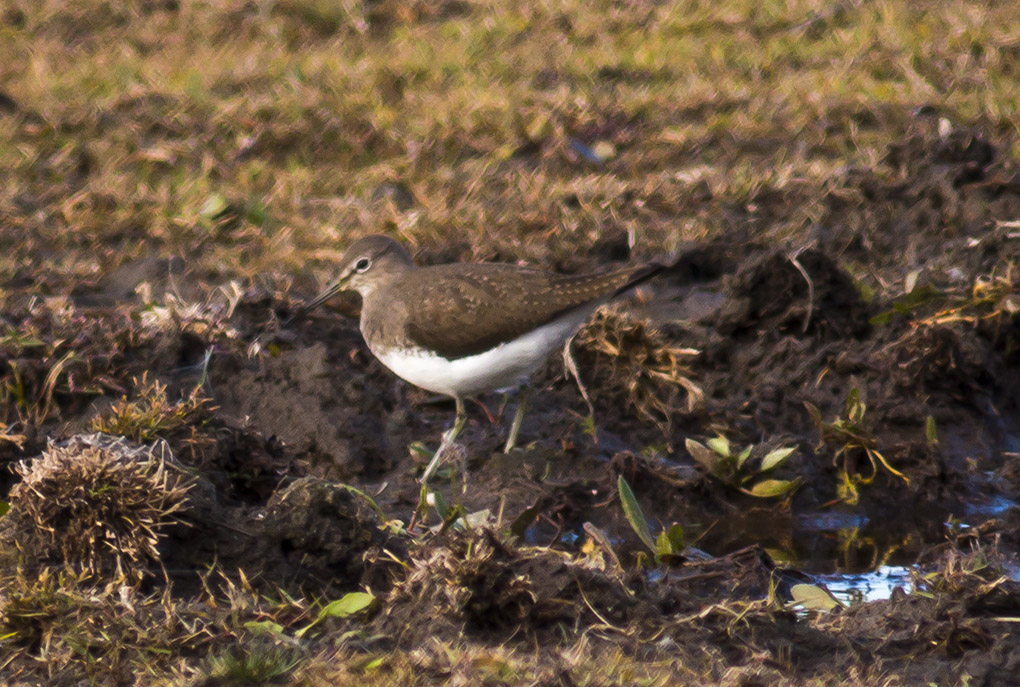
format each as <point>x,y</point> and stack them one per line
<point>333,289</point>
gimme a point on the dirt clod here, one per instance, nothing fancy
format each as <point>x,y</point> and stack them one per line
<point>326,533</point>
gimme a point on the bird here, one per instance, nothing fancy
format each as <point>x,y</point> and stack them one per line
<point>462,329</point>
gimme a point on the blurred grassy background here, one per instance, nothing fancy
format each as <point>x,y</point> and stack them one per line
<point>253,136</point>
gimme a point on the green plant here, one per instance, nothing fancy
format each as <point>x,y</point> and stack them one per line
<point>812,597</point>
<point>851,438</point>
<point>992,297</point>
<point>347,605</point>
<point>670,541</point>
<point>259,663</point>
<point>737,471</point>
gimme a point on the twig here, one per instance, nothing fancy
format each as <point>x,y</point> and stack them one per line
<point>810,291</point>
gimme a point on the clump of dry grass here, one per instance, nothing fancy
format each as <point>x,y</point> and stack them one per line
<point>151,415</point>
<point>98,504</point>
<point>480,583</point>
<point>634,366</point>
<point>63,628</point>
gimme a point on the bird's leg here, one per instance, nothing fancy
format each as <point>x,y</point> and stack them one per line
<point>515,426</point>
<point>459,421</point>
<point>448,438</point>
<point>485,409</point>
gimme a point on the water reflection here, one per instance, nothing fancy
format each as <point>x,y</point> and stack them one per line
<point>852,588</point>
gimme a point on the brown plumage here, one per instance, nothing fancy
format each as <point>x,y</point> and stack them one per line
<point>463,309</point>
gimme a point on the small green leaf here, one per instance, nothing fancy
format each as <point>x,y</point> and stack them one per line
<point>523,521</point>
<point>264,627</point>
<point>669,543</point>
<point>256,213</point>
<point>771,488</point>
<point>781,556</point>
<point>816,415</point>
<point>634,515</point>
<point>854,407</point>
<point>4,508</point>
<point>915,298</point>
<point>439,502</point>
<point>702,454</point>
<point>865,291</point>
<point>663,546</point>
<point>813,598</point>
<point>374,664</point>
<point>720,445</point>
<point>931,432</point>
<point>348,604</point>
<point>214,206</point>
<point>775,458</point>
<point>676,537</point>
<point>421,451</point>
<point>743,456</point>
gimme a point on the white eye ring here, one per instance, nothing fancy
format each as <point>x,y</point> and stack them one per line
<point>362,265</point>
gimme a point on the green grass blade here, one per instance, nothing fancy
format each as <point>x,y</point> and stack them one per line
<point>634,515</point>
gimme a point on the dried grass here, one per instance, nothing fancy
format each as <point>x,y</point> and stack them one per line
<point>151,415</point>
<point>98,504</point>
<point>631,365</point>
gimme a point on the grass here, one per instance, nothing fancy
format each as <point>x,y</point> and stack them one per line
<point>259,138</point>
<point>100,506</point>
<point>151,414</point>
<point>636,367</point>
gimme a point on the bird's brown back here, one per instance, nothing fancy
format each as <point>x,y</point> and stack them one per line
<point>459,310</point>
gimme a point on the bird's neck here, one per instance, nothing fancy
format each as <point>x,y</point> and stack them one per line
<point>383,313</point>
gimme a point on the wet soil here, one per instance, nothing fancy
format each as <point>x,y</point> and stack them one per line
<point>897,318</point>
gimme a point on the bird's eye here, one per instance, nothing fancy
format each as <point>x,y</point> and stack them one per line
<point>362,265</point>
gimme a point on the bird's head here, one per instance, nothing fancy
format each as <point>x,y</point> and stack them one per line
<point>367,264</point>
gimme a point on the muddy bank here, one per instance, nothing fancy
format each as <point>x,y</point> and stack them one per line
<point>876,354</point>
<point>725,620</point>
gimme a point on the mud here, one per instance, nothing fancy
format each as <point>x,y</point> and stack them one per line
<point>879,305</point>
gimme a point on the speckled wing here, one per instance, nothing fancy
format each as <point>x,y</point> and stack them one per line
<point>459,310</point>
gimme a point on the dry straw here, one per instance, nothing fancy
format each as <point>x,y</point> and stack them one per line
<point>99,504</point>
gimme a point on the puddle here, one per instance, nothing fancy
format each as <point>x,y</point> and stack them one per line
<point>853,588</point>
<point>990,507</point>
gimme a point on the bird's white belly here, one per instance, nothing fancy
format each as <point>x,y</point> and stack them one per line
<point>504,366</point>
